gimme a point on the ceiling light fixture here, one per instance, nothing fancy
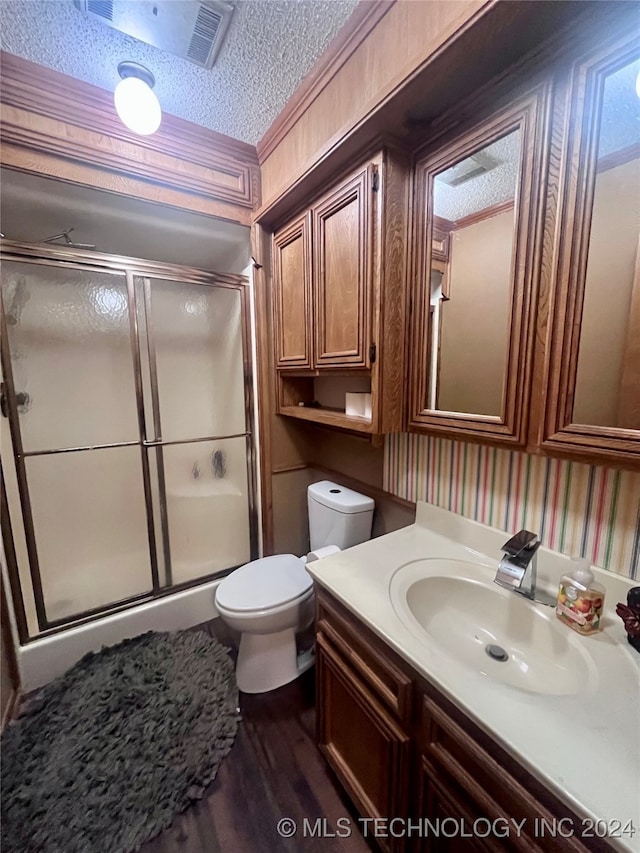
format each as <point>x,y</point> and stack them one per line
<point>135,100</point>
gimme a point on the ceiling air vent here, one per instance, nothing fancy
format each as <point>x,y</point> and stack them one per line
<point>102,8</point>
<point>192,29</point>
<point>204,35</point>
<point>473,166</point>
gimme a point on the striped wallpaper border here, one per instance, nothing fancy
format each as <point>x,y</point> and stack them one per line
<point>577,509</point>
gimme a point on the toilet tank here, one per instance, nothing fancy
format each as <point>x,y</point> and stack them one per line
<point>338,516</point>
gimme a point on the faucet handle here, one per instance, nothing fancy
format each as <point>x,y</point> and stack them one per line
<point>524,540</point>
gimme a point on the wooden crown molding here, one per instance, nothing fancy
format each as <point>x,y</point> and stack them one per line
<point>49,112</point>
<point>618,158</point>
<point>41,90</point>
<point>446,226</point>
<point>485,213</point>
<point>365,17</point>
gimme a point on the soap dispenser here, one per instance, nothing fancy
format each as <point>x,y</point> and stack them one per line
<point>580,598</point>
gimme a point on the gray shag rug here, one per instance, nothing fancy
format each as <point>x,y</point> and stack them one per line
<point>102,758</point>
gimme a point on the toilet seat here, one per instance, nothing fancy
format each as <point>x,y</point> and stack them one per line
<point>264,584</point>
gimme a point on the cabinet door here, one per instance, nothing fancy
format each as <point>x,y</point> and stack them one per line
<point>451,821</point>
<point>343,273</point>
<point>292,294</point>
<point>363,744</point>
<point>476,248</point>
<point>592,394</point>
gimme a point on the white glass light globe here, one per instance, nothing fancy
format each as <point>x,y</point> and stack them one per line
<point>137,106</point>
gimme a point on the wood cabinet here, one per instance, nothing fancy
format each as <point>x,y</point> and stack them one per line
<point>590,400</point>
<point>292,296</point>
<point>477,243</point>
<point>338,299</point>
<point>343,242</point>
<point>550,360</point>
<point>402,750</point>
<point>361,719</point>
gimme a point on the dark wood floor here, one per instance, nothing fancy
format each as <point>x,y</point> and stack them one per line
<point>273,771</point>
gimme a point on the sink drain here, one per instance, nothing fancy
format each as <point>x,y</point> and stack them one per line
<point>496,652</point>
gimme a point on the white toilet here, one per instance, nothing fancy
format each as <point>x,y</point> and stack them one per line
<point>271,599</point>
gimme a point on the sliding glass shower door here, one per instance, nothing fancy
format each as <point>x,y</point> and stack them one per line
<point>128,398</point>
<point>194,374</point>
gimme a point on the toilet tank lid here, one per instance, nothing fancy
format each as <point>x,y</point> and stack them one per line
<point>261,584</point>
<point>339,498</point>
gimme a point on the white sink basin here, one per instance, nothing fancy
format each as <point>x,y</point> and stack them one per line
<point>456,606</point>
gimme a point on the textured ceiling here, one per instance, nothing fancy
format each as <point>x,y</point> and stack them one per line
<point>269,48</point>
<point>495,186</point>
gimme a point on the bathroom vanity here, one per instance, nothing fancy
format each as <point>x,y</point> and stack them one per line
<point>535,752</point>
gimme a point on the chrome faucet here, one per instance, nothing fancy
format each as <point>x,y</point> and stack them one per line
<point>517,569</point>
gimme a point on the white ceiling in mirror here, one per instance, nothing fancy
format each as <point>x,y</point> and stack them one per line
<point>33,208</point>
<point>620,122</point>
<point>269,48</point>
<point>494,186</point>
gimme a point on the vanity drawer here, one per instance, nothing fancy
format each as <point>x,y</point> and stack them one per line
<point>457,761</point>
<point>366,654</point>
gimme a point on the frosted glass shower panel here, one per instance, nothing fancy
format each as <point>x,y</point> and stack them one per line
<point>207,507</point>
<point>90,527</point>
<point>197,334</point>
<point>70,344</point>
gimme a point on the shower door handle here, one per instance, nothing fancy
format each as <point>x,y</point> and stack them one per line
<point>22,398</point>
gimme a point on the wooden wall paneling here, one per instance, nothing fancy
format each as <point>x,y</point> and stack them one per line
<point>392,281</point>
<point>363,19</point>
<point>567,261</point>
<point>52,166</point>
<point>260,246</point>
<point>425,73</point>
<point>47,114</point>
<point>290,514</point>
<point>405,34</point>
<point>292,295</point>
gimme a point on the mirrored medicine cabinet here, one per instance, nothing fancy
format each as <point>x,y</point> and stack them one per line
<point>592,401</point>
<point>477,234</point>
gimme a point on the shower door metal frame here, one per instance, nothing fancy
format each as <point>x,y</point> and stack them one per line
<point>129,268</point>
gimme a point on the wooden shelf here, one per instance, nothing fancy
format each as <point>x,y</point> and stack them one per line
<point>330,417</point>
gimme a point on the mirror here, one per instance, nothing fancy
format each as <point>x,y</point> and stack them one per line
<point>607,385</point>
<point>471,278</point>
<point>479,215</point>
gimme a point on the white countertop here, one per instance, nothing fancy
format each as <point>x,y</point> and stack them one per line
<point>584,747</point>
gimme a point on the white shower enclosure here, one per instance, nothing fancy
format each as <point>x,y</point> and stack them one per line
<point>127,442</point>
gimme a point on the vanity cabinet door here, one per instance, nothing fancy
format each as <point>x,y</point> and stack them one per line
<point>591,398</point>
<point>451,819</point>
<point>292,301</point>
<point>364,745</point>
<point>467,779</point>
<point>343,244</point>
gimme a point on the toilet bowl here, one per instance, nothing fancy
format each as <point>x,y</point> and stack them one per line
<point>270,600</point>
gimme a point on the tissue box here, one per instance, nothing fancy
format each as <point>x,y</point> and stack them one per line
<point>358,404</point>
